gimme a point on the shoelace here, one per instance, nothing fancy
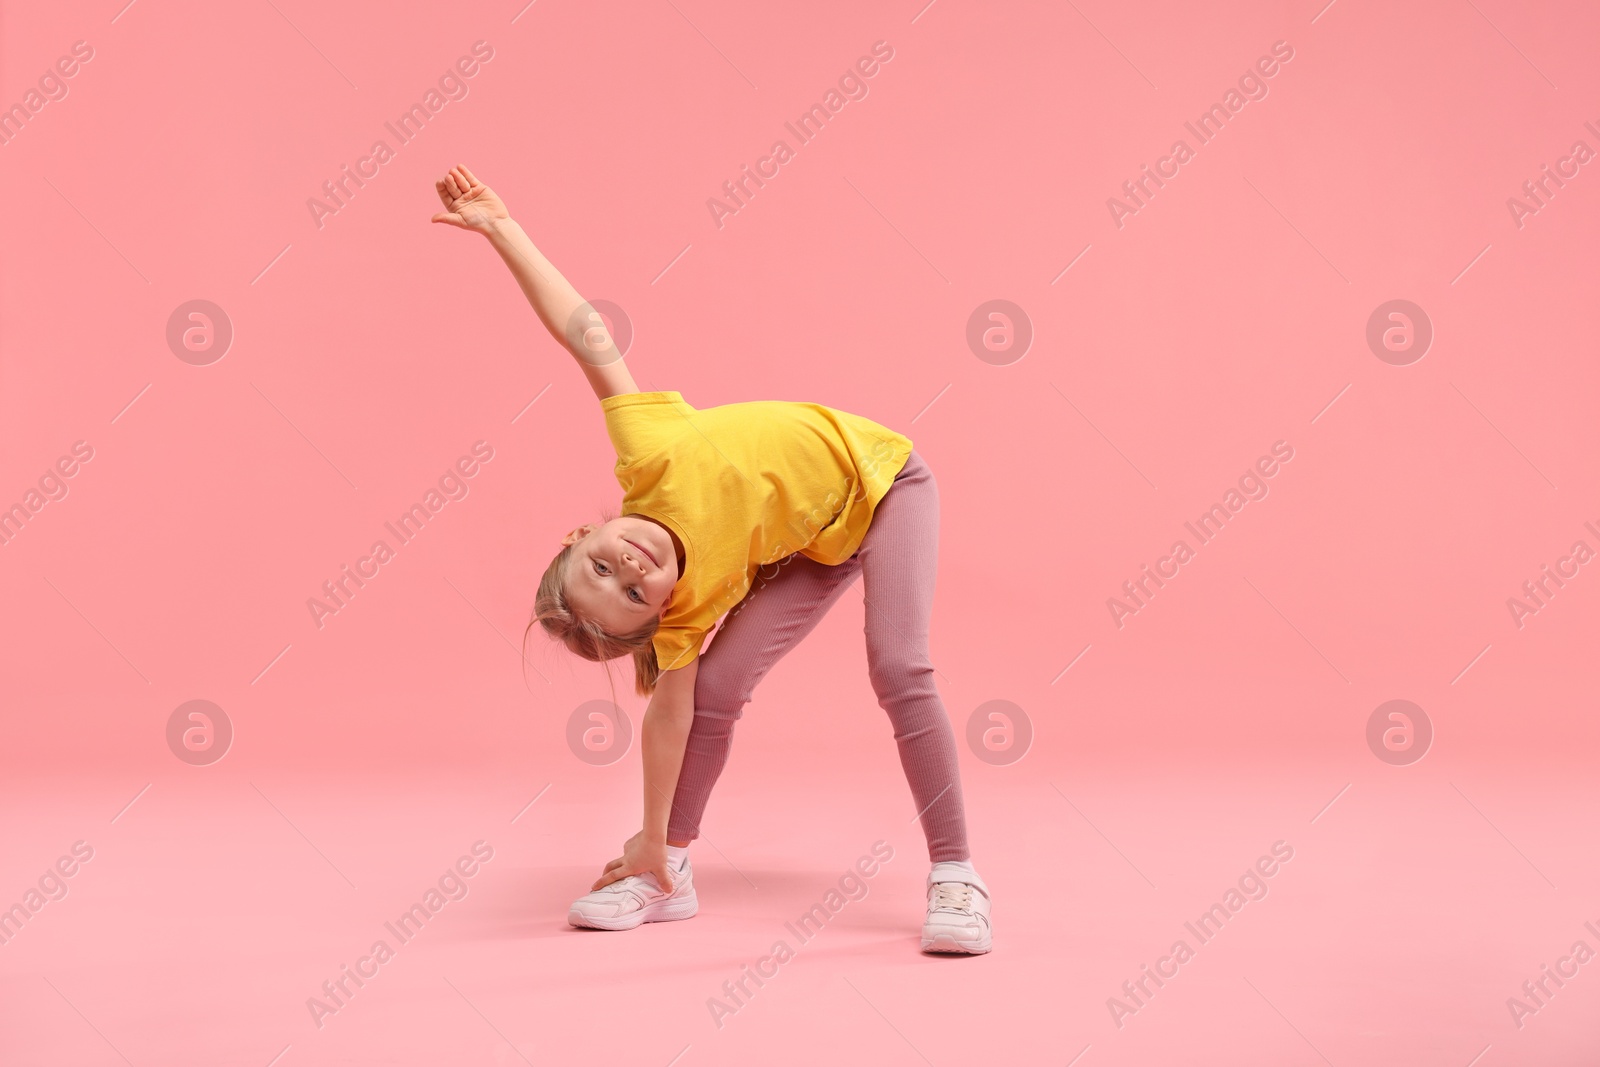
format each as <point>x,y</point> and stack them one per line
<point>952,896</point>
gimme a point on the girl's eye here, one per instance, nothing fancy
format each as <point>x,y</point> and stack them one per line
<point>599,568</point>
<point>636,596</point>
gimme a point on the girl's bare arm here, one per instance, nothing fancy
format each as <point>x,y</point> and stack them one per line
<point>571,320</point>
<point>662,739</point>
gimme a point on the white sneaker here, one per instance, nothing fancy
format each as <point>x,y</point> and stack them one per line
<point>958,912</point>
<point>636,899</point>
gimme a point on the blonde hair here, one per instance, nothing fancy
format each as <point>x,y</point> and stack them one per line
<point>586,637</point>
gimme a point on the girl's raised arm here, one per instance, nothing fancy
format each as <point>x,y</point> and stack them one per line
<point>471,205</point>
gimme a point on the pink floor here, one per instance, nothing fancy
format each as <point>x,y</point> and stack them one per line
<point>1404,492</point>
<point>1416,902</point>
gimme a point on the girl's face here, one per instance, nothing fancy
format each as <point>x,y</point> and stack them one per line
<point>621,573</point>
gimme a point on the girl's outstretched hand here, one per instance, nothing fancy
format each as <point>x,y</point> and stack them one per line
<point>638,856</point>
<point>468,203</point>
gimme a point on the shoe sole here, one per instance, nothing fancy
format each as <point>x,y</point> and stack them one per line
<point>666,910</point>
<point>945,943</point>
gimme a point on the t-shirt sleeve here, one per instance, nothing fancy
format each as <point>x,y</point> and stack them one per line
<point>641,425</point>
<point>677,646</point>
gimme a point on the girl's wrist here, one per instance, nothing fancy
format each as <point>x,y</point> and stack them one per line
<point>499,229</point>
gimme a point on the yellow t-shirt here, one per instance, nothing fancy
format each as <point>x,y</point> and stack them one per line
<point>743,486</point>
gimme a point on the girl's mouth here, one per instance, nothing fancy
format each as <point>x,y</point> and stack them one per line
<point>646,551</point>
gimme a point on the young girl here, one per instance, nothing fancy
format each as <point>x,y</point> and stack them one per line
<point>764,512</point>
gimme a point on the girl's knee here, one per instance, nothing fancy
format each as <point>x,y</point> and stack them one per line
<point>720,693</point>
<point>898,674</point>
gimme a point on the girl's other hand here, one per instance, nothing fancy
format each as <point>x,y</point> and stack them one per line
<point>639,855</point>
<point>469,204</point>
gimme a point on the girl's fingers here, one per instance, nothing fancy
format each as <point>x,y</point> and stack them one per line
<point>474,186</point>
<point>606,879</point>
<point>616,870</point>
<point>458,184</point>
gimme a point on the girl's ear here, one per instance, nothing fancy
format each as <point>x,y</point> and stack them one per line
<point>579,534</point>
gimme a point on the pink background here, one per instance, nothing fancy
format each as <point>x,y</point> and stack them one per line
<point>369,354</point>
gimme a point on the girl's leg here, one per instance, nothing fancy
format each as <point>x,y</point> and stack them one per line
<point>773,617</point>
<point>899,560</point>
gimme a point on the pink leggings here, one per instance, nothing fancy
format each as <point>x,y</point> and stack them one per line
<point>897,562</point>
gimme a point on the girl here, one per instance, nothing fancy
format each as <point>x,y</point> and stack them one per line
<point>801,496</point>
